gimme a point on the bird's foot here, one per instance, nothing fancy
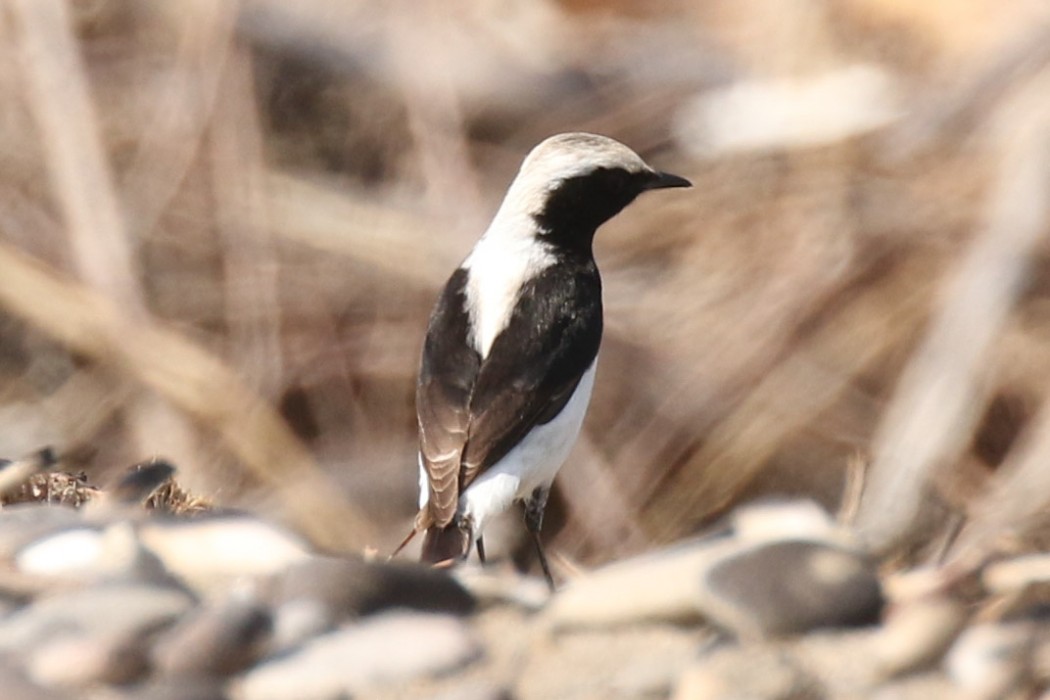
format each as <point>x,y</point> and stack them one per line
<point>534,507</point>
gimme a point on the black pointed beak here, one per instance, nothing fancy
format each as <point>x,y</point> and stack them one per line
<point>662,180</point>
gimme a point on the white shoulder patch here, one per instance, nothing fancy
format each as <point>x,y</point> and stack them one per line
<point>501,262</point>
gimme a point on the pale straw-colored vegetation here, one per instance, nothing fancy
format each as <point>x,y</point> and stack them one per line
<point>222,225</point>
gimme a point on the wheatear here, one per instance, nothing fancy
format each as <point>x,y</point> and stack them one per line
<point>510,352</point>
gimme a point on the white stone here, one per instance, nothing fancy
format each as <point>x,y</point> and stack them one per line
<point>382,649</point>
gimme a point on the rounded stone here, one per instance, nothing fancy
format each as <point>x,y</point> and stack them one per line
<point>790,587</point>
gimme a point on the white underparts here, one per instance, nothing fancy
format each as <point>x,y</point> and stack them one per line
<point>533,462</point>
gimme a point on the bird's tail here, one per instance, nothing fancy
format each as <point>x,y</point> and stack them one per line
<point>449,543</point>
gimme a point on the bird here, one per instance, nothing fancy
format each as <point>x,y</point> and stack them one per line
<point>511,347</point>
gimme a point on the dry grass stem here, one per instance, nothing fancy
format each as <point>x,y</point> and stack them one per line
<point>792,396</point>
<point>223,224</point>
<point>190,379</point>
<point>937,402</point>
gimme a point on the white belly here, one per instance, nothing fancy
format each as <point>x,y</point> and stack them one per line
<point>531,463</point>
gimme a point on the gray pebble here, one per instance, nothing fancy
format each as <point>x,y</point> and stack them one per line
<point>639,661</point>
<point>790,587</point>
<point>210,553</point>
<point>780,520</point>
<point>215,640</point>
<point>660,586</point>
<point>90,553</point>
<point>108,611</point>
<point>297,621</point>
<point>474,690</point>
<point>917,633</point>
<point>81,660</point>
<point>492,585</point>
<point>173,689</point>
<point>16,685</point>
<point>990,660</point>
<point>353,587</point>
<point>385,648</point>
<point>139,482</point>
<point>752,674</point>
<point>1012,576</point>
<point>23,523</point>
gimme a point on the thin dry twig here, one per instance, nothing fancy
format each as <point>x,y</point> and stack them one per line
<point>601,513</point>
<point>791,396</point>
<point>856,474</point>
<point>175,127</point>
<point>191,379</point>
<point>938,400</point>
<point>378,235</point>
<point>61,101</point>
<point>253,310</point>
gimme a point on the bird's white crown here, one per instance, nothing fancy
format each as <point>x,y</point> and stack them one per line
<point>562,157</point>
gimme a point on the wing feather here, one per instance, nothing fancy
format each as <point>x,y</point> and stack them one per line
<point>446,378</point>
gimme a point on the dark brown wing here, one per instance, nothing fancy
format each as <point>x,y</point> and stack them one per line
<point>447,374</point>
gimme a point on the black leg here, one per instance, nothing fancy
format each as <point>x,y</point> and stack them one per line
<point>481,550</point>
<point>534,507</point>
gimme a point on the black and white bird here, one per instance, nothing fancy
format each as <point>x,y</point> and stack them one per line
<point>510,352</point>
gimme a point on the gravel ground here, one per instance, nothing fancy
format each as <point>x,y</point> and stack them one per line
<point>101,598</point>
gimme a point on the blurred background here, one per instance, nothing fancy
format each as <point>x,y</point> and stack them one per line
<point>223,224</point>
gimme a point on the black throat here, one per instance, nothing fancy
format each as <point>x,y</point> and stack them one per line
<point>577,206</point>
